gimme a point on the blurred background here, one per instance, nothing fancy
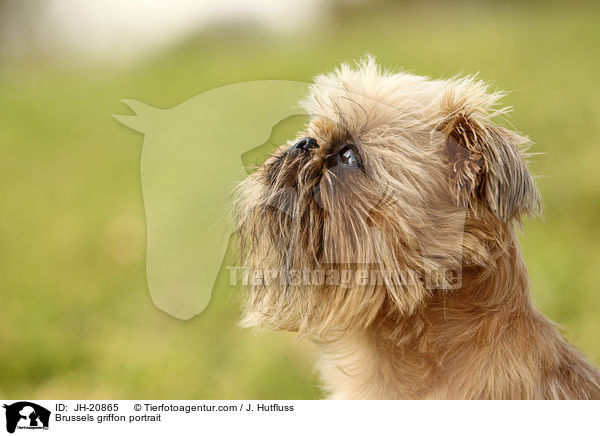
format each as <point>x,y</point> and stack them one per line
<point>76,320</point>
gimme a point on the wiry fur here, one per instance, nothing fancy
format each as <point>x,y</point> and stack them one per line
<point>440,188</point>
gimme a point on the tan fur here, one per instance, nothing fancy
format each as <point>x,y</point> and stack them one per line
<point>440,188</point>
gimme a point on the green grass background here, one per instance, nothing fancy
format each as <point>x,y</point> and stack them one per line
<point>76,320</point>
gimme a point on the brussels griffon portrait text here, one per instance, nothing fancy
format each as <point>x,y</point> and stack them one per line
<point>390,223</point>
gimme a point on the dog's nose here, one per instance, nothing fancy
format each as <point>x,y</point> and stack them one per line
<point>305,144</point>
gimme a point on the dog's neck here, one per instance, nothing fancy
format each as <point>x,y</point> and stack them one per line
<point>484,340</point>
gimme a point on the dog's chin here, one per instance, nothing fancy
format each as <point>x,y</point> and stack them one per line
<point>313,277</point>
<point>322,253</point>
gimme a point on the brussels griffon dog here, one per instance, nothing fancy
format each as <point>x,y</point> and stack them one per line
<point>390,224</point>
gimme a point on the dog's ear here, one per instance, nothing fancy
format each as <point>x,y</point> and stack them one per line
<point>486,163</point>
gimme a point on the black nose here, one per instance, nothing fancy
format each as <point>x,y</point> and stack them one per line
<point>305,144</point>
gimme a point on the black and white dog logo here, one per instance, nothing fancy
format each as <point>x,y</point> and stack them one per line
<point>26,415</point>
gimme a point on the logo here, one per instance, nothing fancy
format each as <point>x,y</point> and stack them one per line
<point>26,415</point>
<point>190,162</point>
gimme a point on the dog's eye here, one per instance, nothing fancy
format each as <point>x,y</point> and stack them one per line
<point>348,158</point>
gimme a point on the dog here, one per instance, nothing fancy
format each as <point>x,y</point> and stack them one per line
<point>411,181</point>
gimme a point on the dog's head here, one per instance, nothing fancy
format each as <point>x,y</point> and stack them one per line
<point>397,183</point>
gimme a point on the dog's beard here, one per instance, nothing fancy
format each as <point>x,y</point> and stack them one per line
<point>328,249</point>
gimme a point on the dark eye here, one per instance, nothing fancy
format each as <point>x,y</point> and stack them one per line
<point>348,158</point>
